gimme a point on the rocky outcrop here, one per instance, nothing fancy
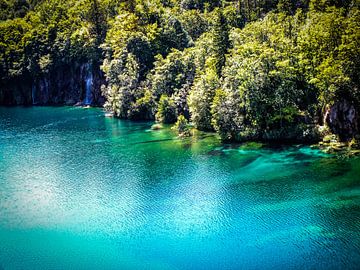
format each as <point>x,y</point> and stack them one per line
<point>65,85</point>
<point>343,119</point>
<point>16,91</point>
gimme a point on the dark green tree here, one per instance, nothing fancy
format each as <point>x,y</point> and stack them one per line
<point>166,112</point>
<point>221,40</point>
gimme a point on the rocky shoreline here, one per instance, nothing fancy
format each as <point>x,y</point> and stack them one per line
<point>332,145</point>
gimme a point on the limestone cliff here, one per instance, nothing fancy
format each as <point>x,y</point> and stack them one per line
<point>64,85</point>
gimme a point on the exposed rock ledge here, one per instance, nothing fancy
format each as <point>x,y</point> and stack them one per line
<point>66,85</point>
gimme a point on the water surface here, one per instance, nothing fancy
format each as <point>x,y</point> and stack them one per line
<point>81,191</point>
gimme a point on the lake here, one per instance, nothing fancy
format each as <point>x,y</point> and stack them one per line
<point>82,191</point>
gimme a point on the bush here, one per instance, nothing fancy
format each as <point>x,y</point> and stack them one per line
<point>182,126</point>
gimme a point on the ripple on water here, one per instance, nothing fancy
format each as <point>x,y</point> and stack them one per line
<point>78,190</point>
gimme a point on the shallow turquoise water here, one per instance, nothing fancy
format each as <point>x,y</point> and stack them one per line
<point>81,191</point>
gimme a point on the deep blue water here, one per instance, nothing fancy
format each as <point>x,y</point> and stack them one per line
<point>81,191</point>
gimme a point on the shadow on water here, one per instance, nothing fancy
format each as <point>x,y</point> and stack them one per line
<point>153,141</point>
<point>186,141</point>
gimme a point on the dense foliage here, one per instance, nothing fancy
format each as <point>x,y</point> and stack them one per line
<point>247,69</point>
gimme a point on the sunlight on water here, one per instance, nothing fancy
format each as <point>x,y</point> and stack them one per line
<point>81,191</point>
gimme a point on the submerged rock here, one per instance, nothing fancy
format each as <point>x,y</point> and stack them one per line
<point>156,127</point>
<point>251,146</point>
<point>216,152</point>
<point>109,114</point>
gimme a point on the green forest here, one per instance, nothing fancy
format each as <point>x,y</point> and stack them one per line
<point>247,69</point>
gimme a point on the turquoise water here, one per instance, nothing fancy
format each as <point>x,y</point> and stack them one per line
<point>81,191</point>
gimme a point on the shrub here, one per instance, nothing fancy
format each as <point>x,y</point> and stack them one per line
<point>182,126</point>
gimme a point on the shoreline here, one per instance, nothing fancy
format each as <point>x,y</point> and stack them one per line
<point>328,143</point>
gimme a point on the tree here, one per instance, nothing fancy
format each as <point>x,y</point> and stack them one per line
<point>143,108</point>
<point>227,119</point>
<point>171,74</point>
<point>166,112</point>
<point>286,6</point>
<point>201,97</point>
<point>123,76</point>
<point>242,67</point>
<point>221,40</point>
<point>182,126</point>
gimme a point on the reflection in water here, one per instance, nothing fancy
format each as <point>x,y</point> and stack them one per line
<point>78,190</point>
